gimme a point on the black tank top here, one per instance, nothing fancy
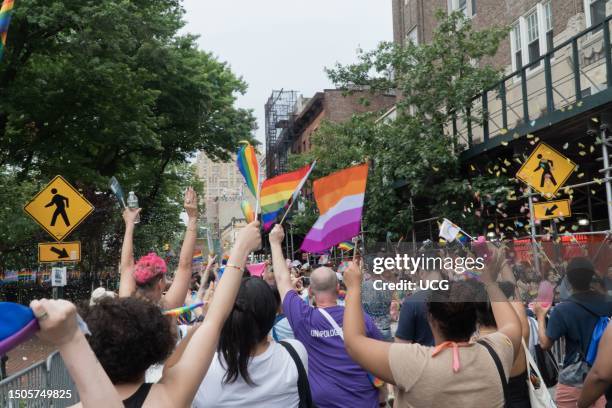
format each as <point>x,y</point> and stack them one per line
<point>139,397</point>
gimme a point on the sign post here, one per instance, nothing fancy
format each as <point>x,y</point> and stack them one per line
<point>545,171</point>
<point>59,208</point>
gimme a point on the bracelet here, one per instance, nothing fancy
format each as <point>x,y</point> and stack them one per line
<point>233,266</point>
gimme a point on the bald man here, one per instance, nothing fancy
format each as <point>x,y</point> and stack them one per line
<point>335,379</point>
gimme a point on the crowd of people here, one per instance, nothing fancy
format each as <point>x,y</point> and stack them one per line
<point>326,338</point>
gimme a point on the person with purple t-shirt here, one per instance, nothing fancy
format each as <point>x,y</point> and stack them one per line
<point>335,379</point>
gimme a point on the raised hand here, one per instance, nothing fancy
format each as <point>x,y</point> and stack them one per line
<point>249,238</point>
<point>57,320</point>
<point>191,203</point>
<point>130,215</point>
<point>277,234</point>
<point>493,264</point>
<point>353,275</point>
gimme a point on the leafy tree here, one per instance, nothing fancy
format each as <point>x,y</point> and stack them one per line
<point>93,89</point>
<point>416,151</point>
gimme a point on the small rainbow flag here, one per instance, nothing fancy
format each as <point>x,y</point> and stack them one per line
<point>5,20</point>
<point>197,257</point>
<point>247,210</point>
<point>276,193</point>
<point>339,198</point>
<point>346,246</point>
<point>248,166</point>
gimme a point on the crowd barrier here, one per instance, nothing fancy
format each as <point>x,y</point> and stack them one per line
<point>46,376</point>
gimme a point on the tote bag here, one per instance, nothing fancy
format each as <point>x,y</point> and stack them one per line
<point>538,393</point>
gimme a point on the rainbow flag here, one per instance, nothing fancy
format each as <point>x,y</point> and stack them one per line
<point>339,198</point>
<point>277,191</point>
<point>197,257</point>
<point>5,20</point>
<point>346,246</point>
<point>247,210</point>
<point>248,166</point>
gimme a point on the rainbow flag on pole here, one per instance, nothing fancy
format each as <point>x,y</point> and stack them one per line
<point>346,246</point>
<point>277,191</point>
<point>5,20</point>
<point>248,166</point>
<point>339,198</point>
<point>247,210</point>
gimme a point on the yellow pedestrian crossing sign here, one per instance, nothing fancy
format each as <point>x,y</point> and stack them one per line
<point>58,208</point>
<point>546,170</point>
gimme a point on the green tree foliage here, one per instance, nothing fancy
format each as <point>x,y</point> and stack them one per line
<point>416,155</point>
<point>92,89</point>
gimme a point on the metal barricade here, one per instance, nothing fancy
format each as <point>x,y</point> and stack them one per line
<point>48,375</point>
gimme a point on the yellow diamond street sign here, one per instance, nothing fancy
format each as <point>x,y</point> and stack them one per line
<point>59,208</point>
<point>552,209</point>
<point>59,252</point>
<point>546,170</point>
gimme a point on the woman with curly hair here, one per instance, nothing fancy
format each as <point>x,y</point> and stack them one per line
<point>130,334</point>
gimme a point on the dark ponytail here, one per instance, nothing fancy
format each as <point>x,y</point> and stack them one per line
<point>248,324</point>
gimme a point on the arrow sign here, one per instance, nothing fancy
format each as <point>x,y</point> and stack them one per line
<point>59,252</point>
<point>551,211</point>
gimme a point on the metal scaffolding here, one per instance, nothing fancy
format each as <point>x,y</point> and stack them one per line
<point>280,110</point>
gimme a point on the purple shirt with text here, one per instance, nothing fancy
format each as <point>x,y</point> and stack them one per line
<point>335,379</point>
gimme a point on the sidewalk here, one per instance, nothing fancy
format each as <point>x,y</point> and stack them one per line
<point>27,354</point>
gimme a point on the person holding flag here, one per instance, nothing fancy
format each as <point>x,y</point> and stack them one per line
<point>335,379</point>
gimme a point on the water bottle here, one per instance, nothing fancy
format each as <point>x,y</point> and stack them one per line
<point>132,202</point>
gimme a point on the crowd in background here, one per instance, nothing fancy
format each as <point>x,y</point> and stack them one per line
<point>302,336</point>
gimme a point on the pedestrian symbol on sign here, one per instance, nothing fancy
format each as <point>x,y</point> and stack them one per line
<point>547,167</point>
<point>546,170</point>
<point>60,208</point>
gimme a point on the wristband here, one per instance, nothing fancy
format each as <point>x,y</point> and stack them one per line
<point>233,266</point>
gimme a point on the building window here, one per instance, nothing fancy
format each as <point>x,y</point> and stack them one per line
<point>527,43</point>
<point>517,46</point>
<point>596,11</point>
<point>467,7</point>
<point>548,25</point>
<point>413,36</point>
<point>533,36</point>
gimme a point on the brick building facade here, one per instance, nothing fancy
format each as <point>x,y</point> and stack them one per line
<point>332,105</point>
<point>537,22</point>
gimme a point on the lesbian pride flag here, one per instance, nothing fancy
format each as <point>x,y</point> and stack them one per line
<point>277,191</point>
<point>339,198</point>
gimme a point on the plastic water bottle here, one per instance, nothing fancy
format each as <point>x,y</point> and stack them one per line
<point>132,202</point>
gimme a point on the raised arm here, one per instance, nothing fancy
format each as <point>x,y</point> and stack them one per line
<point>600,375</point>
<point>281,272</point>
<point>541,311</point>
<point>506,318</point>
<point>58,326</point>
<point>181,381</point>
<point>180,285</point>
<point>372,355</point>
<point>127,284</point>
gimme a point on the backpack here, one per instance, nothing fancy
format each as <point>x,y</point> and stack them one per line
<point>598,331</point>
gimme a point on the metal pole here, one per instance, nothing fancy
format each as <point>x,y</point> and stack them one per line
<point>606,165</point>
<point>534,243</point>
